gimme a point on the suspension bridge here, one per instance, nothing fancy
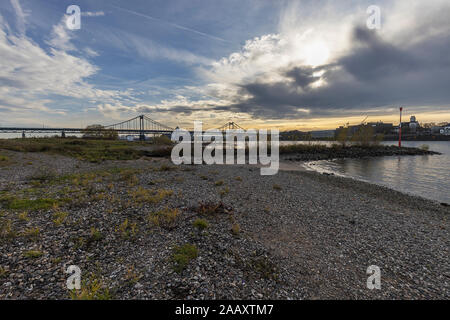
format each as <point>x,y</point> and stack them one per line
<point>140,125</point>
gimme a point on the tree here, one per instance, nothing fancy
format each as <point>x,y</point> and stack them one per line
<point>342,135</point>
<point>365,136</point>
<point>97,131</point>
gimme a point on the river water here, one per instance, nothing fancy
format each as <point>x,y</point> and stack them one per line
<point>425,176</point>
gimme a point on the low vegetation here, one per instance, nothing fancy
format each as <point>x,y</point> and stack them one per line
<point>200,224</point>
<point>93,150</point>
<point>276,187</point>
<point>166,218</point>
<point>182,255</point>
<point>127,229</point>
<point>210,208</point>
<point>91,289</point>
<point>14,203</point>
<point>141,195</point>
<point>32,254</point>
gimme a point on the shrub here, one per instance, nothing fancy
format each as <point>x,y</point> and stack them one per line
<point>219,183</point>
<point>95,235</point>
<point>127,229</point>
<point>6,230</point>
<point>200,224</point>
<point>182,255</point>
<point>235,229</point>
<point>91,289</point>
<point>209,208</point>
<point>162,139</point>
<point>23,216</point>
<point>150,195</point>
<point>59,217</point>
<point>31,232</point>
<point>166,218</point>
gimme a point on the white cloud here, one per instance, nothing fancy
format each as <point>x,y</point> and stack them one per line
<point>90,52</point>
<point>20,15</point>
<point>29,74</point>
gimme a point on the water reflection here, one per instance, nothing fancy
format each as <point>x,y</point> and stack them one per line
<point>426,176</point>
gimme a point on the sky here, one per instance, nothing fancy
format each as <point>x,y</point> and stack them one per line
<point>305,65</point>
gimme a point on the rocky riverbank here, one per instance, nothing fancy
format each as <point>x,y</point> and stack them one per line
<point>322,152</point>
<point>145,229</point>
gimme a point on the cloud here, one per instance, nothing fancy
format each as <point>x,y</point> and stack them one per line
<point>174,25</point>
<point>30,74</point>
<point>277,76</point>
<point>20,15</point>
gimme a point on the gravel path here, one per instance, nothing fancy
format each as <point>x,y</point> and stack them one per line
<point>295,235</point>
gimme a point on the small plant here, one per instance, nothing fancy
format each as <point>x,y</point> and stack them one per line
<point>96,235</point>
<point>127,229</point>
<point>238,178</point>
<point>33,254</point>
<point>79,243</point>
<point>182,255</point>
<point>219,183</point>
<point>209,208</point>
<point>203,177</point>
<point>91,289</point>
<point>224,191</point>
<point>165,167</point>
<point>132,276</point>
<point>3,272</point>
<point>425,147</point>
<point>59,217</point>
<point>200,224</point>
<point>31,233</point>
<point>6,230</point>
<point>276,187</point>
<point>264,267</point>
<point>235,229</point>
<point>23,216</point>
<point>150,195</point>
<point>3,158</point>
<point>166,218</point>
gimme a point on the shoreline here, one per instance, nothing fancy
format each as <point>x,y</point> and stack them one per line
<point>298,235</point>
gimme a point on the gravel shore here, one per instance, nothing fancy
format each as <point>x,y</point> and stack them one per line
<point>294,235</point>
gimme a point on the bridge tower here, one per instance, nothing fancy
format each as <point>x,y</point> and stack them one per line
<point>141,128</point>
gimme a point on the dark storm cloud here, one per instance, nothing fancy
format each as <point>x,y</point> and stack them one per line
<point>374,74</point>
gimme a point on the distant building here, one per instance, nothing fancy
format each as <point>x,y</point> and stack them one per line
<point>378,128</point>
<point>323,133</point>
<point>445,131</point>
<point>381,127</point>
<point>413,124</point>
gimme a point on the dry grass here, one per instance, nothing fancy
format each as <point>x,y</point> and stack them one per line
<point>166,218</point>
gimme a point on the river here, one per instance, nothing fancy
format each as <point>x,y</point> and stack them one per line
<point>425,176</point>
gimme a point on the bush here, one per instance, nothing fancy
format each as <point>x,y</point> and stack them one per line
<point>182,255</point>
<point>200,224</point>
<point>166,218</point>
